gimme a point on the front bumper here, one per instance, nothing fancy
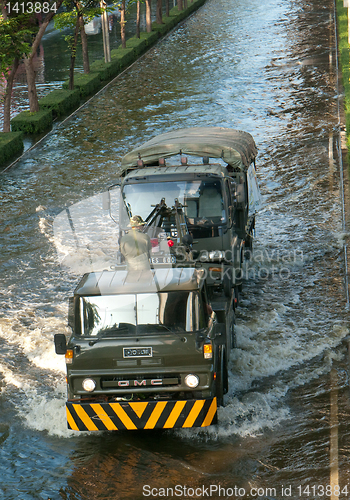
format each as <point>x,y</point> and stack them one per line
<point>141,415</point>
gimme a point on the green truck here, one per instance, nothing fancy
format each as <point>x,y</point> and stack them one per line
<point>150,346</point>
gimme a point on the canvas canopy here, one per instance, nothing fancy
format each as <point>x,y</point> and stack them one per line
<point>235,147</point>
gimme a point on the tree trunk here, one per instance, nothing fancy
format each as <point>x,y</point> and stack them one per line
<point>7,96</point>
<point>84,44</point>
<point>159,18</point>
<point>148,16</point>
<point>167,8</point>
<point>138,18</point>
<point>32,94</point>
<point>3,9</point>
<point>122,24</point>
<point>28,61</point>
<point>72,56</point>
<point>180,5</point>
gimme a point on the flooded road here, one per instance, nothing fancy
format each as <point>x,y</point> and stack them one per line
<point>266,68</point>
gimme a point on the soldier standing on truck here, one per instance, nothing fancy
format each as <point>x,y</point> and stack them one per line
<point>136,245</point>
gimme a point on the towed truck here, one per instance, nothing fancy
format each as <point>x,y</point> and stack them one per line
<point>149,348</point>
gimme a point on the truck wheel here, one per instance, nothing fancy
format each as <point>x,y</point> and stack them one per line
<point>233,336</point>
<point>221,385</point>
<point>238,288</point>
<point>219,393</point>
<point>228,283</point>
<point>225,374</point>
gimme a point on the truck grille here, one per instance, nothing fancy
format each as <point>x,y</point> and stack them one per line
<point>138,382</point>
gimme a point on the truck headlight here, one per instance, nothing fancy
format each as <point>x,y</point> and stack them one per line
<point>191,380</point>
<point>89,385</point>
<point>216,255</point>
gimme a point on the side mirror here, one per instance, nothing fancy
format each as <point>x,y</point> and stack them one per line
<point>106,196</point>
<point>240,196</point>
<point>60,343</point>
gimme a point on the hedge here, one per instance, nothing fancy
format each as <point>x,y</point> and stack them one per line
<point>124,56</point>
<point>32,123</point>
<point>107,71</point>
<point>11,144</point>
<point>151,38</point>
<point>178,14</point>
<point>60,101</point>
<point>87,84</point>
<point>139,45</point>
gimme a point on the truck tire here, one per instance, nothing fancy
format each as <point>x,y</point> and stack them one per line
<point>225,373</point>
<point>221,383</point>
<point>232,334</point>
<point>219,393</point>
<point>228,283</point>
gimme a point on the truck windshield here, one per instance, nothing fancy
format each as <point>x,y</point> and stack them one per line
<point>141,313</point>
<point>202,199</point>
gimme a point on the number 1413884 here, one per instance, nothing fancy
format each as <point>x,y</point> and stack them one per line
<point>31,7</point>
<point>320,490</point>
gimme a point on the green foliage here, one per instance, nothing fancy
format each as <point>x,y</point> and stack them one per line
<point>60,101</point>
<point>106,71</point>
<point>32,123</point>
<point>15,36</point>
<point>343,45</point>
<point>139,45</point>
<point>88,8</point>
<point>87,84</point>
<point>11,144</point>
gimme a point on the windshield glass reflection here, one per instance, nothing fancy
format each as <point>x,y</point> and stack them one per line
<point>202,200</point>
<point>140,313</point>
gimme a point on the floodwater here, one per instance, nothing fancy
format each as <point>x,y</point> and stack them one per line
<point>265,67</point>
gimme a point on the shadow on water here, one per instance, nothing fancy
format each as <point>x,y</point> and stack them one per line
<point>161,459</point>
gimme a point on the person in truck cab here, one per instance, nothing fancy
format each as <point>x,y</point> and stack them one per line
<point>136,245</point>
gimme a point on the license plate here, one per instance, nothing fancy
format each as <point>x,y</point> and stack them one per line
<point>167,259</point>
<point>137,352</point>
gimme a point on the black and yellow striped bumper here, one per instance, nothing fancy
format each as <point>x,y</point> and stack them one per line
<point>141,415</point>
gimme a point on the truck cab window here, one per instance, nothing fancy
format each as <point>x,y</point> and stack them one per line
<point>202,199</point>
<point>141,313</point>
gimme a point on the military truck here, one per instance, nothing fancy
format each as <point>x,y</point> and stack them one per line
<point>146,351</point>
<point>205,175</point>
<point>150,348</point>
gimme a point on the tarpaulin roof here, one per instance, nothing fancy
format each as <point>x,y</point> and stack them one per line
<point>235,147</point>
